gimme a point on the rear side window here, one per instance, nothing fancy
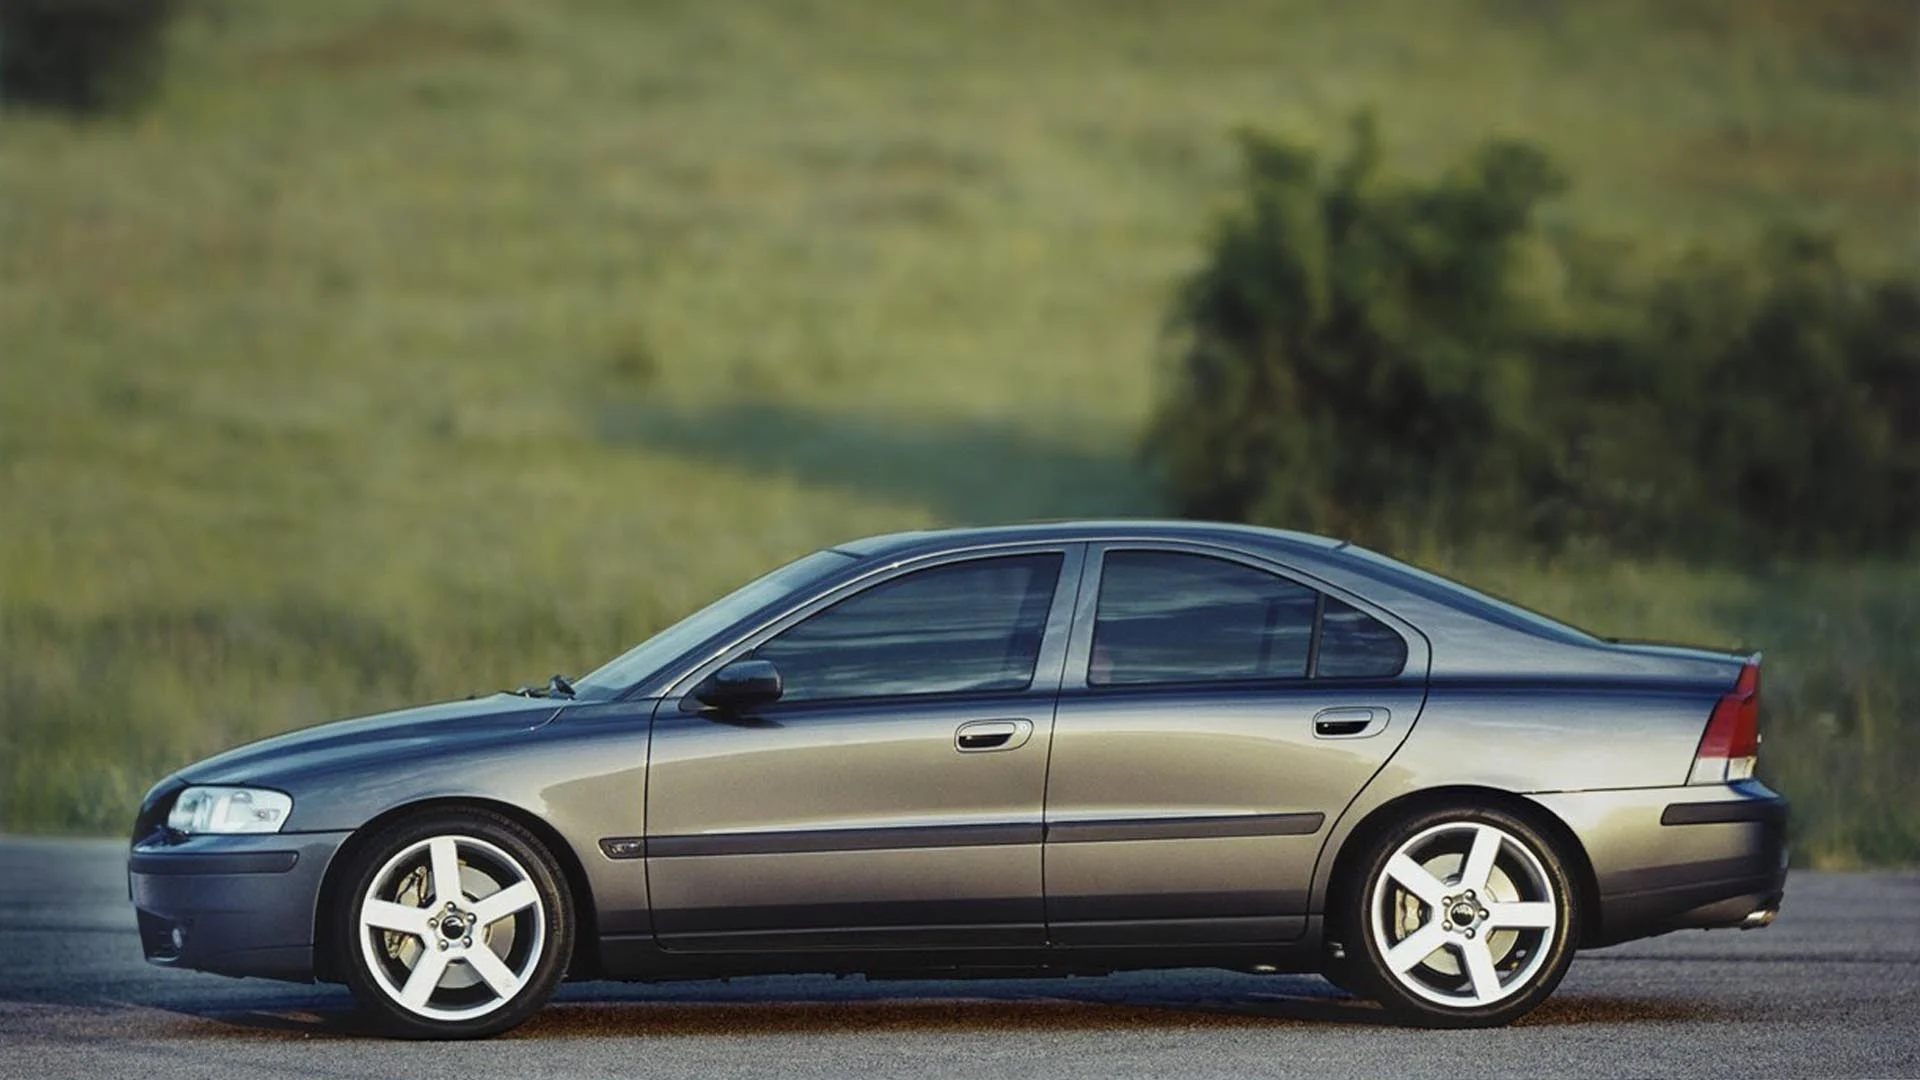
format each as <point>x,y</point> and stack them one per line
<point>1355,645</point>
<point>1165,617</point>
<point>1171,617</point>
<point>970,626</point>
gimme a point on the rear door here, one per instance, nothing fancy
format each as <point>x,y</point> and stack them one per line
<point>892,798</point>
<point>1216,715</point>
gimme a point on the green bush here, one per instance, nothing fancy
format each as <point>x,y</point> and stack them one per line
<point>1791,390</point>
<point>82,56</point>
<point>1381,360</point>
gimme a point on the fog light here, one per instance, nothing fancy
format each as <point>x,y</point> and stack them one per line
<point>161,937</point>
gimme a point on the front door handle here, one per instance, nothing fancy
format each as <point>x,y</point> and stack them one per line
<point>979,736</point>
<point>1349,723</point>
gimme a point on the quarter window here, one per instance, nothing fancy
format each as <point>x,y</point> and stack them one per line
<point>1355,645</point>
<point>971,626</point>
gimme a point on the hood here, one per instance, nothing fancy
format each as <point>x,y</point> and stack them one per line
<point>396,736</point>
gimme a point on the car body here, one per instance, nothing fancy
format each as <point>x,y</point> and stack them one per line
<point>1065,748</point>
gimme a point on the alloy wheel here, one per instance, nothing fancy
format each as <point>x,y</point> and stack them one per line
<point>1464,914</point>
<point>452,928</point>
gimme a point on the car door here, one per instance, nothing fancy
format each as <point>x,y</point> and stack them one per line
<point>1216,716</point>
<point>892,797</point>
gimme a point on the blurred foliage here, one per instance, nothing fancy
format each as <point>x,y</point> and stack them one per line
<point>82,56</point>
<point>1774,401</point>
<point>1377,359</point>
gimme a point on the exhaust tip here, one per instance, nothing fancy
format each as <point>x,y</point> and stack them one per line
<point>1763,917</point>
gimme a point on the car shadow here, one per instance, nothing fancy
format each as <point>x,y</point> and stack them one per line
<point>965,470</point>
<point>790,1006</point>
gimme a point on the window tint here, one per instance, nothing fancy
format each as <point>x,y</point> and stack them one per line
<point>1165,617</point>
<point>1355,645</point>
<point>966,626</point>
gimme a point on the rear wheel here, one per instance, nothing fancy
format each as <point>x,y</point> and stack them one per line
<point>1462,918</point>
<point>456,925</point>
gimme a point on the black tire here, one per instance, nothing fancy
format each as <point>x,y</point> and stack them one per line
<point>1485,959</point>
<point>531,943</point>
<point>1346,977</point>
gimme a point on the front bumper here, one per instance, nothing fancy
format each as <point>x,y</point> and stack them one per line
<point>236,905</point>
<point>1701,856</point>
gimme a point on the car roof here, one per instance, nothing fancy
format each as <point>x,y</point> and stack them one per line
<point>1336,560</point>
<point>933,540</point>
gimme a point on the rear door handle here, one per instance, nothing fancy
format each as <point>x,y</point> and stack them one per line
<point>979,736</point>
<point>1349,723</point>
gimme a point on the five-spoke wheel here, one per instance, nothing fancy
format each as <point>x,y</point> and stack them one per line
<point>1464,918</point>
<point>458,925</point>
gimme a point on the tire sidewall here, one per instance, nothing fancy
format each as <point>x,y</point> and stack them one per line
<point>368,859</point>
<point>1408,1007</point>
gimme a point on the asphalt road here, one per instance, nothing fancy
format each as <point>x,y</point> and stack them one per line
<point>1832,989</point>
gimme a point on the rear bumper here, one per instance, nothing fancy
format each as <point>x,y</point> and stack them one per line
<point>236,905</point>
<point>1705,856</point>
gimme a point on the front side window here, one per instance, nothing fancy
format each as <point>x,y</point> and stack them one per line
<point>964,627</point>
<point>1165,617</point>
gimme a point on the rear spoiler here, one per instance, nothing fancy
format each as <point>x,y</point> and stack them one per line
<point>1738,652</point>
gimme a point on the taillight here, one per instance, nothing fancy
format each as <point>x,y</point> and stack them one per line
<point>1731,747</point>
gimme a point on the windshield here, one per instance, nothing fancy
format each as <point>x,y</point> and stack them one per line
<point>647,657</point>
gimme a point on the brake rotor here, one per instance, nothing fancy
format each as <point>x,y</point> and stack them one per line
<point>406,948</point>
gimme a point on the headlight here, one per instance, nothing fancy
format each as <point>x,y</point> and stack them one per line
<point>229,810</point>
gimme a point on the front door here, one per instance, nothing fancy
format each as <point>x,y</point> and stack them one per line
<point>1216,716</point>
<point>893,796</point>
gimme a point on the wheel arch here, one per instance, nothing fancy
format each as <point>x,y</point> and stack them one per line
<point>585,959</point>
<point>1340,882</point>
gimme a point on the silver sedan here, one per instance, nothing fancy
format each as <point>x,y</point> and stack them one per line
<point>1063,749</point>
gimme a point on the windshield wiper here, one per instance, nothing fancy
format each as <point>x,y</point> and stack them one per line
<point>557,687</point>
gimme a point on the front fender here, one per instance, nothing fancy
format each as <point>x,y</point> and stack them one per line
<point>584,776</point>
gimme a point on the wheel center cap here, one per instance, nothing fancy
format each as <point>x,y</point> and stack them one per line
<point>453,927</point>
<point>1461,915</point>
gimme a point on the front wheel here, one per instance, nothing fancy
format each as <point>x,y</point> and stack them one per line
<point>456,925</point>
<point>1465,918</point>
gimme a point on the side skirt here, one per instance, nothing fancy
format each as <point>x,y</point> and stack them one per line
<point>639,958</point>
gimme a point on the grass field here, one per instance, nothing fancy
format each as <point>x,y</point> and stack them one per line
<point>404,350</point>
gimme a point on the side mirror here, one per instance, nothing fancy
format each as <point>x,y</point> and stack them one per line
<point>740,685</point>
